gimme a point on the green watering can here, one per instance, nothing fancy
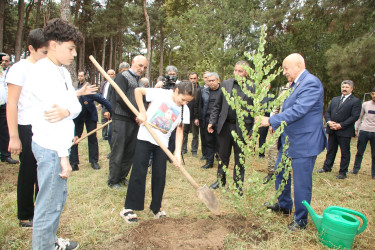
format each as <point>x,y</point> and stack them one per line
<point>338,226</point>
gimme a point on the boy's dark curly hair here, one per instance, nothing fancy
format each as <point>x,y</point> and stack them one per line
<point>62,31</point>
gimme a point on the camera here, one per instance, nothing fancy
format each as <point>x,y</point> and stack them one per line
<point>170,82</point>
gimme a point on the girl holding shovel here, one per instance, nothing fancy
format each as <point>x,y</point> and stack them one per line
<point>168,108</point>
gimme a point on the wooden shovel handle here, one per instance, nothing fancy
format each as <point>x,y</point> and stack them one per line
<point>91,132</point>
<point>147,125</point>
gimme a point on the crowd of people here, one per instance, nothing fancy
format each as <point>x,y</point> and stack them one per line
<point>42,117</point>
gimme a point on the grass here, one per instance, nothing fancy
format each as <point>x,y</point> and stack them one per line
<point>91,214</point>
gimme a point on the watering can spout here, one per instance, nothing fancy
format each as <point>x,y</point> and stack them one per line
<point>317,219</point>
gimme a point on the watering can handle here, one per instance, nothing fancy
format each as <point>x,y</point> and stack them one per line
<point>350,211</point>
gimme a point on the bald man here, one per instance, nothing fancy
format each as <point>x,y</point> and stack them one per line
<point>124,127</point>
<point>302,111</point>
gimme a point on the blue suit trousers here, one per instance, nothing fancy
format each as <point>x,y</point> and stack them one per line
<point>302,179</point>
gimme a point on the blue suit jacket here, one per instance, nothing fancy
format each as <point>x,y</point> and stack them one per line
<point>87,101</point>
<point>303,113</point>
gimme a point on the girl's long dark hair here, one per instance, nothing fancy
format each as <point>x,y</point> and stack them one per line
<point>185,87</point>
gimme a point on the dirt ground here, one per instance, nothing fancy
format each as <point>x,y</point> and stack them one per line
<point>187,233</point>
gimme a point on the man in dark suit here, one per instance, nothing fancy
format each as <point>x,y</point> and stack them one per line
<point>302,112</point>
<point>341,115</point>
<point>226,119</point>
<point>104,93</point>
<point>88,117</point>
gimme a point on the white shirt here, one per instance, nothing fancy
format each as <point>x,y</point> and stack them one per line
<point>50,84</point>
<point>17,76</point>
<point>163,113</point>
<point>3,88</point>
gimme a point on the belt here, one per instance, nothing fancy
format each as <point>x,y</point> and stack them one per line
<point>231,121</point>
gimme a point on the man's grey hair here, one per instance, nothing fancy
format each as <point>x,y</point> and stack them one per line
<point>123,65</point>
<point>145,80</point>
<point>350,82</point>
<point>209,74</point>
<point>243,63</point>
<point>170,68</point>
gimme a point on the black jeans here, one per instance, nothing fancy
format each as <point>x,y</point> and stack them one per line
<point>195,142</point>
<point>263,132</point>
<point>203,138</point>
<point>124,138</point>
<point>4,132</point>
<point>334,142</point>
<point>27,185</point>
<point>212,145</point>
<point>226,142</point>
<point>135,197</point>
<point>92,142</point>
<point>363,138</point>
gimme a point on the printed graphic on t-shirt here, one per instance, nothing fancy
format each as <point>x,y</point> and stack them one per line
<point>165,116</point>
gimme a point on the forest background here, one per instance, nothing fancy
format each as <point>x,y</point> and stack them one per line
<point>336,37</point>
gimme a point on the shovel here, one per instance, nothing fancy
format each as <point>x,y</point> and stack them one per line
<point>204,193</point>
<point>91,132</point>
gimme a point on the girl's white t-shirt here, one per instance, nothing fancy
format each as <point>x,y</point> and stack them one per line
<point>163,113</point>
<point>17,75</point>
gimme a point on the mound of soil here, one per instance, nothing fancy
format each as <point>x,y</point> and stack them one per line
<point>188,233</point>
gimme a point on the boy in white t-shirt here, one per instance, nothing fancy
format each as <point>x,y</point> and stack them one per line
<point>165,112</point>
<point>19,124</point>
<point>54,106</point>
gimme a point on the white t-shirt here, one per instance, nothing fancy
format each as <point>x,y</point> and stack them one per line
<point>17,75</point>
<point>163,113</point>
<point>50,84</point>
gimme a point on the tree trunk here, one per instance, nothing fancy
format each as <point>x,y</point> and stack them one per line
<point>114,60</point>
<point>37,16</point>
<point>2,9</point>
<point>81,56</point>
<point>161,63</point>
<point>103,58</point>
<point>26,30</point>
<point>65,15</point>
<point>78,5</point>
<point>148,73</point>
<point>119,50</point>
<point>110,53</point>
<point>21,18</point>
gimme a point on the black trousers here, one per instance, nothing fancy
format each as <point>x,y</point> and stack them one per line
<point>226,142</point>
<point>123,142</point>
<point>363,138</point>
<point>212,145</point>
<point>92,142</point>
<point>105,129</point>
<point>263,132</point>
<point>195,142</point>
<point>203,138</point>
<point>4,132</point>
<point>135,197</point>
<point>334,142</point>
<point>27,185</point>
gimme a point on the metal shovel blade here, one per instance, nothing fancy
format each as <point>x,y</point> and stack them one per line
<point>208,197</point>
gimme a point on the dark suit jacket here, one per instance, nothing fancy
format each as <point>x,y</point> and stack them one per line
<point>303,113</point>
<point>347,114</point>
<point>87,101</point>
<point>220,109</point>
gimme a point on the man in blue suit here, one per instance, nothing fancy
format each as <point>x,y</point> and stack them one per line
<point>302,111</point>
<point>88,117</point>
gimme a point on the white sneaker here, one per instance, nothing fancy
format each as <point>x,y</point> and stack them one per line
<point>66,244</point>
<point>129,216</point>
<point>160,214</point>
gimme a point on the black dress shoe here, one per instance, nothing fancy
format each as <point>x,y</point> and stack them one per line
<point>276,208</point>
<point>217,184</point>
<point>322,170</point>
<point>207,165</point>
<point>353,172</point>
<point>294,226</point>
<point>95,165</point>
<point>75,167</point>
<point>10,160</point>
<point>267,178</point>
<point>373,177</point>
<point>203,158</point>
<point>341,176</point>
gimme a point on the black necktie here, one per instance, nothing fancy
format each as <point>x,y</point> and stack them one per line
<point>341,100</point>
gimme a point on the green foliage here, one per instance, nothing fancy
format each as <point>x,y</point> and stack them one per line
<point>256,86</point>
